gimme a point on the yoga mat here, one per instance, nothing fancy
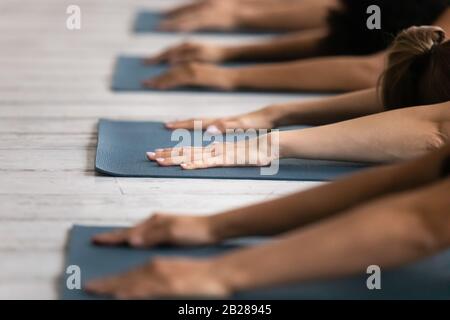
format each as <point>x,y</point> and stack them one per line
<point>148,21</point>
<point>428,279</point>
<point>130,71</point>
<point>122,147</point>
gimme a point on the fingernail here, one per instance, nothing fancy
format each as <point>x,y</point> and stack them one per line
<point>213,130</point>
<point>184,165</point>
<point>169,125</point>
<point>160,159</point>
<point>159,150</point>
<point>151,154</point>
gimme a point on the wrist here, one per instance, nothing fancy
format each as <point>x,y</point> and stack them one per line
<point>273,114</point>
<point>278,139</point>
<point>230,273</point>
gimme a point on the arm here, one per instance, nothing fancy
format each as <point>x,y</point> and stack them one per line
<point>389,232</point>
<point>385,137</point>
<point>302,208</point>
<point>292,46</point>
<point>444,22</point>
<point>265,15</point>
<point>319,74</point>
<point>313,112</point>
<point>293,15</point>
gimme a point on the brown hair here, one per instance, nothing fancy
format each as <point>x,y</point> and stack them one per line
<point>418,70</point>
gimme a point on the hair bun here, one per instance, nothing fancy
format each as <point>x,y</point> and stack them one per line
<point>419,40</point>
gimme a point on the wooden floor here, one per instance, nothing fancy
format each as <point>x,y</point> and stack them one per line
<point>53,88</point>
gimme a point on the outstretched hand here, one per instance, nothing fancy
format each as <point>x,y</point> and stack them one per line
<point>161,229</point>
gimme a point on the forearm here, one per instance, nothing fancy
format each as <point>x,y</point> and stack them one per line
<point>342,246</point>
<point>326,110</point>
<point>386,137</point>
<point>319,74</point>
<point>290,15</point>
<point>305,207</point>
<point>294,46</point>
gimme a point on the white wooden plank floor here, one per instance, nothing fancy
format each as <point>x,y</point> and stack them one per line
<point>53,88</point>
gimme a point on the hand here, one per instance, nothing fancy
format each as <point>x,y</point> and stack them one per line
<point>189,52</point>
<point>193,74</point>
<point>203,15</point>
<point>261,119</point>
<point>162,229</point>
<point>256,152</point>
<point>163,278</point>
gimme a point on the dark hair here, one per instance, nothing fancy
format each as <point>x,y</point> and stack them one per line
<point>350,35</point>
<point>418,69</point>
<point>445,169</point>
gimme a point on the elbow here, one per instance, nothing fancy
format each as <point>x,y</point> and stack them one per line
<point>436,139</point>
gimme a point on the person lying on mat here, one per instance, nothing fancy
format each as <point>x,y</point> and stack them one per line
<point>346,56</point>
<point>418,75</point>
<point>387,216</point>
<point>229,15</point>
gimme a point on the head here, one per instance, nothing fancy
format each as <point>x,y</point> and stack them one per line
<point>418,69</point>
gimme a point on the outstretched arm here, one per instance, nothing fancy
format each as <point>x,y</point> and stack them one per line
<point>312,112</point>
<point>388,232</point>
<point>292,46</point>
<point>264,15</point>
<point>389,136</point>
<point>385,137</point>
<point>319,74</point>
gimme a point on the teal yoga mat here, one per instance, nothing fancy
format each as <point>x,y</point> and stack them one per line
<point>428,279</point>
<point>122,147</point>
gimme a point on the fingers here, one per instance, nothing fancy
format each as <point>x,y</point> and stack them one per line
<point>184,23</point>
<point>189,124</point>
<point>208,162</point>
<point>166,81</point>
<point>185,52</point>
<point>212,126</point>
<point>106,286</point>
<point>178,76</point>
<point>177,156</point>
<point>111,238</point>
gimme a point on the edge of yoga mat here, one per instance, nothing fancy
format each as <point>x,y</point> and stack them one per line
<point>122,147</point>
<point>130,71</point>
<point>427,279</point>
<point>147,21</point>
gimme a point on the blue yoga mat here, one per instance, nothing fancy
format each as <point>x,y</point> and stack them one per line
<point>148,21</point>
<point>130,71</point>
<point>428,279</point>
<point>122,147</point>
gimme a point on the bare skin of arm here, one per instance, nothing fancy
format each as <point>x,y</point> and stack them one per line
<point>284,15</point>
<point>385,137</point>
<point>314,112</point>
<point>292,46</point>
<point>318,74</point>
<point>388,231</point>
